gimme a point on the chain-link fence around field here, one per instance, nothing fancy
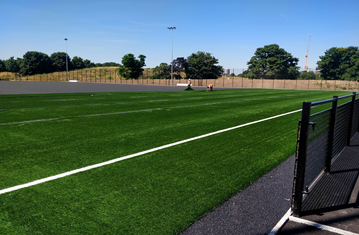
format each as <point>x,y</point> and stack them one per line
<point>110,75</point>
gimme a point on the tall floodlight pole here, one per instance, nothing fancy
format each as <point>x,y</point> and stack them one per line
<point>67,69</point>
<point>172,28</point>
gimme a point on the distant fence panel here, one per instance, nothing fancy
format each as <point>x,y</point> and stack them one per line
<point>110,75</point>
<point>247,83</point>
<point>290,84</point>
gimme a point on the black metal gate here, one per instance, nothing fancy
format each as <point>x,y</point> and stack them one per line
<point>322,179</point>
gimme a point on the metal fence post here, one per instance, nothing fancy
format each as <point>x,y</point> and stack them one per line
<point>301,157</point>
<point>351,118</point>
<point>331,134</point>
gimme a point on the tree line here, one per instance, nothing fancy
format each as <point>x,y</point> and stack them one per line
<point>34,62</point>
<point>268,62</point>
<point>273,62</point>
<point>200,65</point>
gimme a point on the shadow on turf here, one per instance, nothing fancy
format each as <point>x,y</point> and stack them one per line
<point>191,89</point>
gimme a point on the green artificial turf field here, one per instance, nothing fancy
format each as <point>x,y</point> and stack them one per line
<point>161,192</point>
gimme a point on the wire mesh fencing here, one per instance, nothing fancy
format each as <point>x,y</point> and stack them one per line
<point>110,75</point>
<point>321,138</point>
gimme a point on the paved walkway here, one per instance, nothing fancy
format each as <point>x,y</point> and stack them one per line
<point>333,207</point>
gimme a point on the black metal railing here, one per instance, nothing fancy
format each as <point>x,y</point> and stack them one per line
<point>321,138</point>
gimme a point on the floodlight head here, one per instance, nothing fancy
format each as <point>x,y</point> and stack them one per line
<point>65,39</point>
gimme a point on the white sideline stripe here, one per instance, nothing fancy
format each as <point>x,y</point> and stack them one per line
<point>321,226</point>
<point>281,223</point>
<point>40,181</point>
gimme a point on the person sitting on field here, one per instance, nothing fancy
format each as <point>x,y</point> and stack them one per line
<point>189,83</point>
<point>210,87</point>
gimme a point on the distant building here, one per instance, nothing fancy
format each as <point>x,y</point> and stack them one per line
<point>317,72</point>
<point>227,71</point>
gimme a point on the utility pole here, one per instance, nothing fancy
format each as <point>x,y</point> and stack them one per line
<point>172,28</point>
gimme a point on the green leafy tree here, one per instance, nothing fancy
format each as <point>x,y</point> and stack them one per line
<point>12,65</point>
<point>179,66</point>
<point>244,74</point>
<point>340,64</point>
<point>34,62</point>
<point>307,75</point>
<point>110,64</point>
<point>19,61</point>
<point>78,62</point>
<point>163,71</point>
<point>131,67</point>
<point>2,66</point>
<point>202,65</point>
<point>89,64</point>
<point>272,62</point>
<point>98,65</point>
<point>59,61</point>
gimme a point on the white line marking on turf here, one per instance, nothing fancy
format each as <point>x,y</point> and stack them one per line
<point>40,181</point>
<point>321,226</point>
<point>281,223</point>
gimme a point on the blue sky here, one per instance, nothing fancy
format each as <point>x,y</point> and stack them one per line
<point>231,31</point>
